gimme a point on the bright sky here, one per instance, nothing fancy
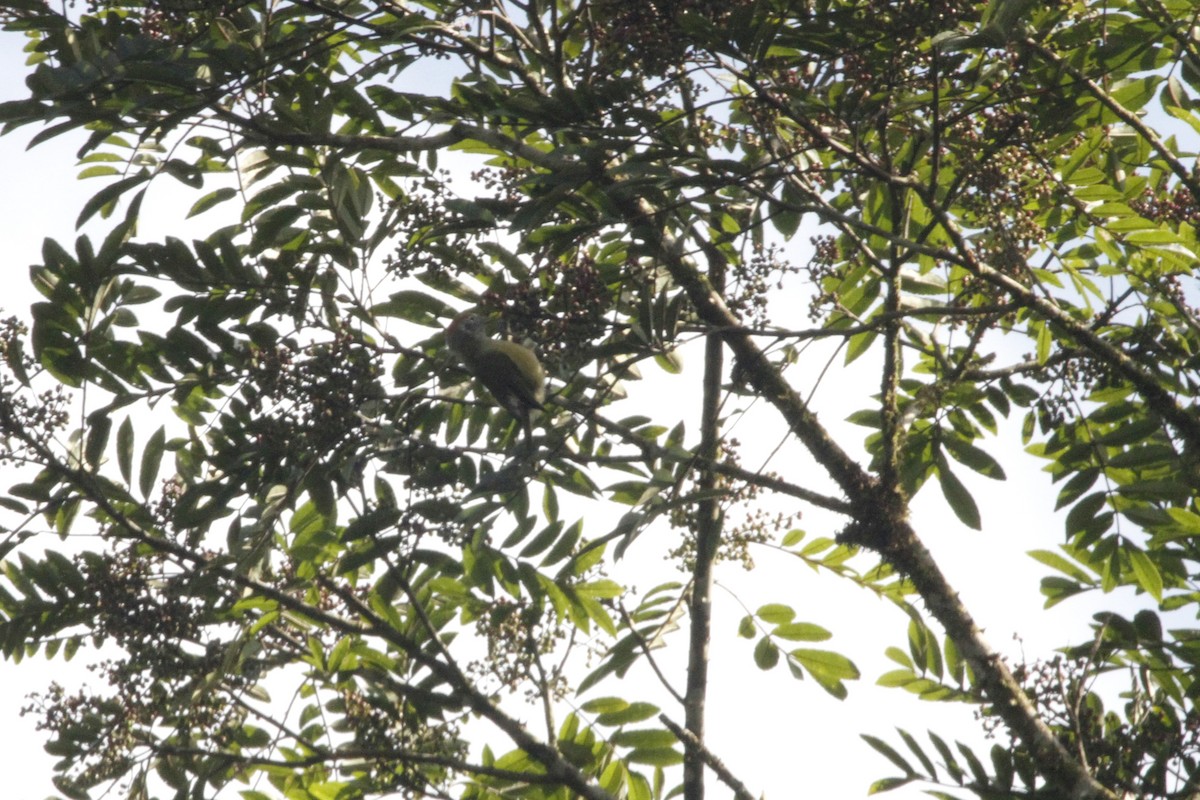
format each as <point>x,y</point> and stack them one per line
<point>38,203</point>
<point>814,739</point>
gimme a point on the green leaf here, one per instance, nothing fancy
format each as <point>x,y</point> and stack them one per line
<point>897,678</point>
<point>98,430</point>
<point>888,784</point>
<point>801,632</point>
<point>1076,486</point>
<point>775,613</point>
<point>899,656</point>
<point>1083,515</point>
<point>670,362</point>
<point>125,449</point>
<point>1187,522</point>
<point>919,752</point>
<point>542,541</point>
<point>108,195</point>
<point>1134,93</point>
<point>1148,625</point>
<point>786,221</point>
<point>948,759</point>
<point>656,756</point>
<point>605,705</point>
<point>633,712</point>
<point>859,344</point>
<point>966,453</point>
<point>273,228</point>
<point>826,664</point>
<point>330,790</point>
<point>151,461</point>
<point>565,545</point>
<point>1002,765</point>
<point>973,762</point>
<point>414,306</point>
<point>766,654</point>
<point>211,199</point>
<point>1146,456</point>
<point>602,588</point>
<point>1045,341</point>
<point>1145,572</point>
<point>888,752</point>
<point>956,494</point>
<point>644,738</point>
<point>1063,565</point>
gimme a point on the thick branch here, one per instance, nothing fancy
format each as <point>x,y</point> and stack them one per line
<point>652,449</point>
<point>1145,382</point>
<point>1156,396</point>
<point>1185,175</point>
<point>556,765</point>
<point>740,792</point>
<point>708,537</point>
<point>880,518</point>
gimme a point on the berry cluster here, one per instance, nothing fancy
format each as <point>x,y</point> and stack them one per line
<point>301,406</point>
<point>1173,206</point>
<point>653,36</point>
<point>560,305</point>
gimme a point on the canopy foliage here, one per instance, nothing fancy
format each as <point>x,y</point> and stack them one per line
<point>295,522</point>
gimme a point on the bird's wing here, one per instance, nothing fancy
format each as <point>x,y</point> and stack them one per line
<point>510,377</point>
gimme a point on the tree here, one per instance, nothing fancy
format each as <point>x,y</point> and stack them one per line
<point>320,573</point>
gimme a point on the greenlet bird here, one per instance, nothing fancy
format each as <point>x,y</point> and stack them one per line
<point>511,372</point>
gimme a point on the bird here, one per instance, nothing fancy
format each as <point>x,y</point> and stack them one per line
<point>510,371</point>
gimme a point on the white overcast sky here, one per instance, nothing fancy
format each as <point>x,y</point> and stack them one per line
<point>994,577</point>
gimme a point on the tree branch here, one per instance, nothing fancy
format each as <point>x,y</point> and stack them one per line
<point>557,767</point>
<point>740,792</point>
<point>1185,175</point>
<point>708,537</point>
<point>880,518</point>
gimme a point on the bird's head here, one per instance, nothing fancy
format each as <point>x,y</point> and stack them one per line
<point>466,331</point>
